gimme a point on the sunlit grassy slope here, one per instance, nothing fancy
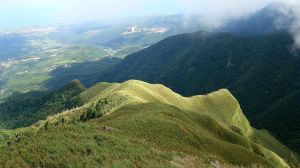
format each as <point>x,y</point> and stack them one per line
<point>136,124</point>
<point>259,70</point>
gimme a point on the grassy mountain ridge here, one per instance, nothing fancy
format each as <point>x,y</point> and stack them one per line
<point>137,124</point>
<point>258,70</point>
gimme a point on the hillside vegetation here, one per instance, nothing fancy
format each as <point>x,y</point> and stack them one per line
<point>261,71</point>
<point>26,109</point>
<point>136,124</point>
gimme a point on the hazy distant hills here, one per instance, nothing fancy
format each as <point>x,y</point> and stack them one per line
<point>135,33</point>
<point>149,30</point>
<point>30,56</point>
<point>137,124</point>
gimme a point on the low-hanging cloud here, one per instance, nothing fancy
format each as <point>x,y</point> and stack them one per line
<point>216,12</point>
<point>290,19</point>
<point>294,7</point>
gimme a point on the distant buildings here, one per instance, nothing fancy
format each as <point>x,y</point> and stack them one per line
<point>137,29</point>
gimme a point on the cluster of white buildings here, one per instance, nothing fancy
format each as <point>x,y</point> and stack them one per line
<point>4,65</point>
<point>136,29</point>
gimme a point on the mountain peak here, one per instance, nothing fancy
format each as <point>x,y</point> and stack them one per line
<point>75,84</point>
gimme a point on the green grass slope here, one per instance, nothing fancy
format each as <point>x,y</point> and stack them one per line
<point>136,124</point>
<point>258,70</point>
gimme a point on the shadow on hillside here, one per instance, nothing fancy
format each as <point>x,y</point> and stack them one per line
<point>88,73</point>
<point>15,109</point>
<point>24,109</point>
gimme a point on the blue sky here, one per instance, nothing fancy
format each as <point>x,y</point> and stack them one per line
<point>33,12</point>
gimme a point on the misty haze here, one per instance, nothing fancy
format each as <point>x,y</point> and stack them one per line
<point>161,83</point>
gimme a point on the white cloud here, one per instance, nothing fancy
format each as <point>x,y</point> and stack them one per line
<point>291,10</point>
<point>294,6</point>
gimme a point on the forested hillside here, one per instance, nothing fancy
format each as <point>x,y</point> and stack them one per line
<point>25,109</point>
<point>258,70</point>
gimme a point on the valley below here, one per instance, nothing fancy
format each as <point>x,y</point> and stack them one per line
<point>169,90</point>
